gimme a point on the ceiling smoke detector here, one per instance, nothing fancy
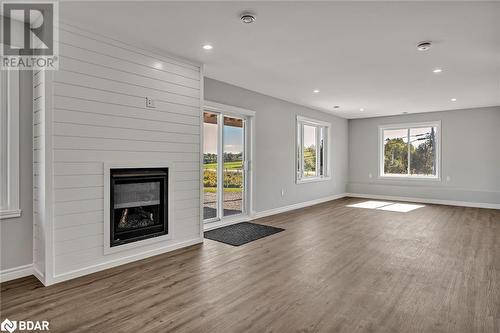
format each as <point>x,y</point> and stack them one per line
<point>247,18</point>
<point>424,46</point>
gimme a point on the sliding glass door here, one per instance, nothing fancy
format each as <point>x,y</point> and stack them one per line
<point>224,161</point>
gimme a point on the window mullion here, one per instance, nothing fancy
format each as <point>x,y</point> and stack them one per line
<point>317,152</point>
<point>302,150</point>
<point>409,151</point>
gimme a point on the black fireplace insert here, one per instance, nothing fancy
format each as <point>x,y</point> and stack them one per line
<point>138,205</point>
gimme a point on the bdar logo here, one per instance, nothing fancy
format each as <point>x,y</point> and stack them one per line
<point>24,325</point>
<point>8,326</point>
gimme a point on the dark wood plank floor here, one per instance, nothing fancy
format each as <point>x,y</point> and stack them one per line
<point>334,269</point>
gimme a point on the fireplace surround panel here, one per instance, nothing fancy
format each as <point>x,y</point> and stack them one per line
<point>87,122</point>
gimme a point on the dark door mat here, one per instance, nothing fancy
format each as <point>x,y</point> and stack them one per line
<point>241,233</point>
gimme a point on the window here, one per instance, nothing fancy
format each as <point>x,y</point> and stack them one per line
<point>410,150</point>
<point>9,144</point>
<point>312,150</point>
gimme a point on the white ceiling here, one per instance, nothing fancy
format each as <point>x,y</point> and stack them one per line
<point>358,54</point>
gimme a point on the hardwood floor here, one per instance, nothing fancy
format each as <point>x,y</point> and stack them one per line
<point>334,269</point>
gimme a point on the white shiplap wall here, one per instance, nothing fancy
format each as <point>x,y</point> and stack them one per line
<point>99,115</point>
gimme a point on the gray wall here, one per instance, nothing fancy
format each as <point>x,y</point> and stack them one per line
<point>470,153</point>
<point>275,147</point>
<point>16,234</point>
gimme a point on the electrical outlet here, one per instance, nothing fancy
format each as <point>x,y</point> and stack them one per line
<point>370,175</point>
<point>448,178</point>
<point>150,103</point>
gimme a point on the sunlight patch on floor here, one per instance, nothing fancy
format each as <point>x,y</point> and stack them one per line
<point>387,206</point>
<point>371,204</point>
<point>401,207</point>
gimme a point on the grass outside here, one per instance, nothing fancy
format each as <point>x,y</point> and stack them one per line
<point>214,189</point>
<point>227,166</point>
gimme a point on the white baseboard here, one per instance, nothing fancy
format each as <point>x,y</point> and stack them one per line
<point>425,200</point>
<point>38,273</point>
<point>269,212</point>
<point>121,261</point>
<point>16,272</point>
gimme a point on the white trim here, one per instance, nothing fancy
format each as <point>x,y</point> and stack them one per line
<point>200,165</point>
<point>313,121</point>
<point>127,165</point>
<point>220,166</point>
<point>10,96</point>
<point>7,214</point>
<point>409,178</point>
<point>312,180</point>
<point>227,221</point>
<point>121,261</point>
<point>16,272</point>
<point>38,274</point>
<point>273,211</point>
<point>227,109</point>
<point>425,200</point>
<point>251,162</point>
<point>49,192</point>
<point>408,126</point>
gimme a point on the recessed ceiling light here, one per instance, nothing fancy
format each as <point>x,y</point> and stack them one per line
<point>247,18</point>
<point>361,109</point>
<point>336,107</point>
<point>404,112</point>
<point>453,99</point>
<point>207,47</point>
<point>315,91</point>
<point>437,70</point>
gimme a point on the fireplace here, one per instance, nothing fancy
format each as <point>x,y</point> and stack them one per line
<point>138,204</point>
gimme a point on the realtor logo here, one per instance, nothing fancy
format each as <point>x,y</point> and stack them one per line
<point>8,326</point>
<point>24,325</point>
<point>29,35</point>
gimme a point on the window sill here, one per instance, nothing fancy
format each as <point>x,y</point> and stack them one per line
<point>8,214</point>
<point>312,180</point>
<point>410,178</point>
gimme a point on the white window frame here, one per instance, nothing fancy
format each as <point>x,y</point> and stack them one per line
<point>299,150</point>
<point>409,126</point>
<point>9,148</point>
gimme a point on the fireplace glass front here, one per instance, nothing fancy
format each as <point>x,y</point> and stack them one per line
<point>138,204</point>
